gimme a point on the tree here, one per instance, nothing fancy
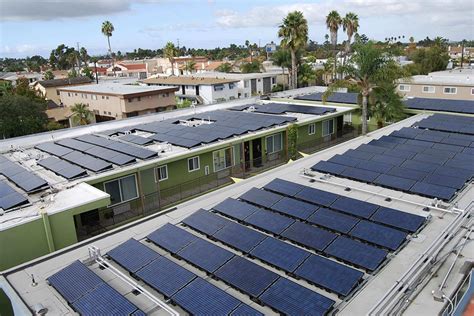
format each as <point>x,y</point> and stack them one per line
<point>350,25</point>
<point>251,67</point>
<point>72,73</point>
<point>84,55</point>
<point>367,68</point>
<point>333,21</point>
<point>225,67</point>
<point>81,114</point>
<point>411,39</point>
<point>427,60</point>
<point>107,29</point>
<point>282,58</point>
<point>306,74</point>
<point>190,66</point>
<point>294,36</point>
<point>86,71</point>
<point>170,52</point>
<point>386,104</point>
<point>48,75</point>
<point>62,57</point>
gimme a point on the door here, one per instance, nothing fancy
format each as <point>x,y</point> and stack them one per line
<point>247,155</point>
<point>183,90</point>
<point>267,85</point>
<point>257,152</point>
<point>197,90</point>
<point>339,125</point>
<point>253,86</point>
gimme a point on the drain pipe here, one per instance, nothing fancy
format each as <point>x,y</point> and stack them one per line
<point>308,175</point>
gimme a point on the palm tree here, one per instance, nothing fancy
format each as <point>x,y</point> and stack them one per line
<point>84,55</point>
<point>386,104</point>
<point>225,67</point>
<point>48,75</point>
<point>81,114</point>
<point>107,30</point>
<point>294,35</point>
<point>350,25</point>
<point>190,66</point>
<point>367,68</point>
<point>333,21</point>
<point>170,52</point>
<point>282,58</point>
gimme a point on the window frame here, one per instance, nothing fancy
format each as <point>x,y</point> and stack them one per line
<point>120,189</point>
<point>312,129</point>
<point>157,173</point>
<point>322,127</point>
<point>344,120</point>
<point>455,90</point>
<point>404,85</point>
<point>433,89</point>
<point>198,163</point>
<point>225,165</point>
<point>273,143</point>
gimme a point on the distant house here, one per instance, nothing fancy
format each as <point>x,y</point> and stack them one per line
<point>111,101</point>
<point>49,88</point>
<point>13,77</point>
<point>199,89</point>
<point>139,71</point>
<point>456,52</point>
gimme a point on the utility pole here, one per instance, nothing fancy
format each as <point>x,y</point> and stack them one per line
<point>78,56</point>
<point>462,51</point>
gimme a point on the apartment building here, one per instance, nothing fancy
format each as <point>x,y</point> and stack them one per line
<point>50,88</point>
<point>110,101</point>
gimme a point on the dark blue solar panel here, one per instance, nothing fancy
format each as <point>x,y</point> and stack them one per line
<point>395,161</point>
<point>433,190</point>
<point>371,149</point>
<point>280,254</point>
<point>354,207</point>
<point>205,255</point>
<point>309,236</point>
<point>391,181</point>
<point>239,237</point>
<point>316,196</point>
<point>104,300</point>
<point>379,235</point>
<point>398,219</point>
<point>357,253</point>
<point>400,153</point>
<point>132,255</point>
<point>260,197</point>
<point>235,208</point>
<point>329,274</point>
<point>245,310</point>
<point>202,298</point>
<point>74,281</point>
<point>345,160</point>
<point>165,276</point>
<point>419,166</point>
<point>407,173</point>
<point>328,167</point>
<point>375,166</point>
<point>295,208</point>
<point>333,220</point>
<point>447,181</point>
<point>269,221</point>
<point>461,163</point>
<point>430,159</point>
<point>171,238</point>
<point>359,154</point>
<point>291,298</point>
<point>284,187</point>
<point>246,276</point>
<point>359,174</point>
<point>205,222</point>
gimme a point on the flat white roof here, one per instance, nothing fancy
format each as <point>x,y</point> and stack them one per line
<point>114,88</point>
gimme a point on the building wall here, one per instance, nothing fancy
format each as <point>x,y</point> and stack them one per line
<point>416,90</point>
<point>211,96</point>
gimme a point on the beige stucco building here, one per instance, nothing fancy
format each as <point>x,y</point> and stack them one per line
<point>457,84</point>
<point>111,101</point>
<point>49,88</point>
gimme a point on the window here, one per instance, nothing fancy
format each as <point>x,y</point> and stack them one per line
<point>472,91</point>
<point>347,118</point>
<point>231,86</point>
<point>130,100</point>
<point>274,143</point>
<point>193,164</point>
<point>246,84</point>
<point>328,127</point>
<point>103,97</point>
<point>57,92</point>
<point>311,129</point>
<point>404,87</point>
<point>219,87</point>
<point>139,98</point>
<point>161,173</point>
<point>273,80</point>
<point>450,90</point>
<point>68,94</point>
<point>222,159</point>
<point>428,89</point>
<point>107,97</point>
<point>122,190</point>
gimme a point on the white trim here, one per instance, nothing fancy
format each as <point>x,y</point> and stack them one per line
<point>120,189</point>
<point>455,90</point>
<point>433,90</point>
<point>331,132</point>
<point>273,149</point>
<point>312,129</point>
<point>156,173</point>
<point>198,162</point>
<point>214,162</point>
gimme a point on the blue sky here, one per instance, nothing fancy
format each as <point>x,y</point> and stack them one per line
<point>30,27</point>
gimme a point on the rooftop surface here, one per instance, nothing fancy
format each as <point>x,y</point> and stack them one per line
<point>64,82</point>
<point>188,80</point>
<point>375,286</point>
<point>115,89</point>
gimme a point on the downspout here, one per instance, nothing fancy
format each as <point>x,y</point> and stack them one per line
<point>47,231</point>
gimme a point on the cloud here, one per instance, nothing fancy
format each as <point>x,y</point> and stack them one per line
<point>163,30</point>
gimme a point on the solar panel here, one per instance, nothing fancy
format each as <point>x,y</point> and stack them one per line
<point>333,220</point>
<point>328,167</point>
<point>135,139</point>
<point>316,196</point>
<point>53,149</point>
<point>280,254</point>
<point>376,166</point>
<point>165,276</point>
<point>86,161</point>
<point>407,173</point>
<point>74,281</point>
<point>345,160</point>
<point>447,181</point>
<point>395,161</point>
<point>235,209</point>
<point>205,222</point>
<point>433,190</point>
<point>330,275</point>
<point>171,238</point>
<point>359,154</point>
<point>23,178</point>
<point>260,197</point>
<point>391,181</point>
<point>359,174</point>
<point>245,310</point>
<point>62,168</point>
<point>398,219</point>
<point>132,255</point>
<point>291,298</point>
<point>335,97</point>
<point>239,237</point>
<point>246,276</point>
<point>379,235</point>
<point>124,148</point>
<point>283,187</point>
<point>269,221</point>
<point>456,106</point>
<point>205,255</point>
<point>354,207</point>
<point>104,300</point>
<point>309,236</point>
<point>356,253</point>
<point>9,197</point>
<point>202,298</point>
<point>294,208</point>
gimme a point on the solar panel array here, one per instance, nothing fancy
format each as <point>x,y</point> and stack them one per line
<point>457,106</point>
<point>431,163</point>
<point>282,108</point>
<point>9,197</point>
<point>448,123</point>
<point>88,294</point>
<point>336,97</point>
<point>63,168</point>
<point>21,177</point>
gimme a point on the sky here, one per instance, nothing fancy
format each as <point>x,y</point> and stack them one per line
<point>35,27</point>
